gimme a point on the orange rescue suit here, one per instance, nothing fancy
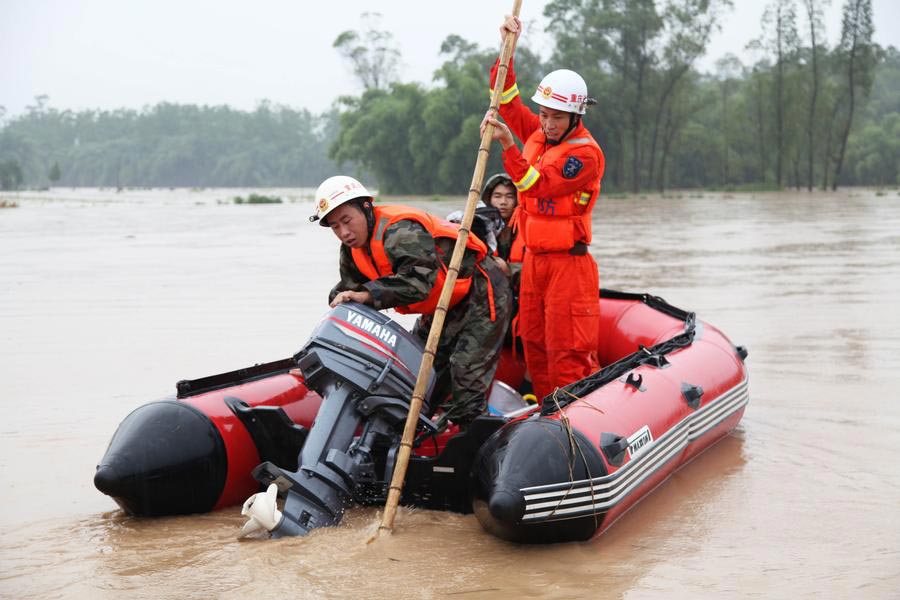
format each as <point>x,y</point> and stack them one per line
<point>374,262</point>
<point>558,185</point>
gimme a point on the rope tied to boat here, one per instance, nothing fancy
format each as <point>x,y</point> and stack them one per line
<point>573,446</point>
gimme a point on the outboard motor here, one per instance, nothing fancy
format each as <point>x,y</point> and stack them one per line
<point>364,366</point>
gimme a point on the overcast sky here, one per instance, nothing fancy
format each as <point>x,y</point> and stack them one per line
<point>133,53</point>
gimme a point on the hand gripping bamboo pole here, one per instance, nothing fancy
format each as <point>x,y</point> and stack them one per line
<point>440,313</point>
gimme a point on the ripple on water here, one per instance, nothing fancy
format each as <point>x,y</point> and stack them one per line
<point>111,298</point>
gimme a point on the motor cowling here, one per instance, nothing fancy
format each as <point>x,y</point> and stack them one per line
<point>364,366</point>
<point>365,348</point>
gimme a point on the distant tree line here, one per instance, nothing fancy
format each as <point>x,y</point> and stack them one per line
<point>167,145</point>
<point>798,113</point>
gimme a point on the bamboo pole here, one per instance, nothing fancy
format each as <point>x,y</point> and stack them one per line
<point>440,313</point>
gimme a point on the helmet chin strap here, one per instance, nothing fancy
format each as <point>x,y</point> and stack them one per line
<point>366,207</point>
<point>574,119</point>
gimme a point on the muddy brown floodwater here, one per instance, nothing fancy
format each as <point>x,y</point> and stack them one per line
<point>107,299</point>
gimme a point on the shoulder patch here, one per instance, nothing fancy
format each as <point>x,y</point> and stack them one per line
<point>572,167</point>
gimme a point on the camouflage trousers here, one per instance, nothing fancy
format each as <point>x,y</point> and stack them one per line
<point>469,348</point>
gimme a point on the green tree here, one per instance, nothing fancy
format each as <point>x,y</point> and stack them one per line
<point>813,9</point>
<point>54,173</point>
<point>375,133</point>
<point>729,71</point>
<point>634,55</point>
<point>688,25</point>
<point>10,175</point>
<point>857,53</point>
<point>370,52</point>
<point>421,141</point>
<point>781,39</point>
<point>874,152</point>
<point>621,36</point>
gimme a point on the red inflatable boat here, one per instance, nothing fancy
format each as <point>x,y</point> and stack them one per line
<point>561,470</point>
<point>673,387</point>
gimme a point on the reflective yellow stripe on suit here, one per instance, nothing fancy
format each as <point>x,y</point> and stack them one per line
<point>530,178</point>
<point>507,96</point>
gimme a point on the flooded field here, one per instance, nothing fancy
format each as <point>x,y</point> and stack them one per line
<point>107,299</point>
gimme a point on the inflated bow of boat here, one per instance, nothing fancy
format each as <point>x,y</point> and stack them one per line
<point>599,445</point>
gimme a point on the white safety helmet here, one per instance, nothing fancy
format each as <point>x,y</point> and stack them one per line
<point>335,191</point>
<point>563,90</point>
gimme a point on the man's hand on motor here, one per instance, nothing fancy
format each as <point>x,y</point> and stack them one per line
<point>362,297</point>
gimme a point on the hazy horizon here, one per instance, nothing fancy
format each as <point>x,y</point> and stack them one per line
<point>100,54</point>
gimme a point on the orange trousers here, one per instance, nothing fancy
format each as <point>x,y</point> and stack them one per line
<point>559,318</point>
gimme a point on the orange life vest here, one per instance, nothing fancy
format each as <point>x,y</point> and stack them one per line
<point>517,249</point>
<point>375,263</point>
<point>557,224</point>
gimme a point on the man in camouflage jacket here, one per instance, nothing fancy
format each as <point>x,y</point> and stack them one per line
<point>470,343</point>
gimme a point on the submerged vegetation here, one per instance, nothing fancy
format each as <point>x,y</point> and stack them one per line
<point>793,112</point>
<point>256,199</point>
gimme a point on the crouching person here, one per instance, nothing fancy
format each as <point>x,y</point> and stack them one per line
<point>395,256</point>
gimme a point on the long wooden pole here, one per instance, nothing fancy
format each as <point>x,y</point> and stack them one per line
<point>440,313</point>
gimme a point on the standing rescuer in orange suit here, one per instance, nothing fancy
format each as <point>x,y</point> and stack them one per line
<point>557,174</point>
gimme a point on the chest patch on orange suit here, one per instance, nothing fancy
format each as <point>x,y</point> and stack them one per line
<point>572,167</point>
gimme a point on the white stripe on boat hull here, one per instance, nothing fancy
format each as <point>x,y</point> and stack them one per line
<point>566,500</point>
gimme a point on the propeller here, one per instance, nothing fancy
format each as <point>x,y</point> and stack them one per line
<point>262,510</point>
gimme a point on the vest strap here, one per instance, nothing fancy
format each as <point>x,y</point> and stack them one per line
<point>490,291</point>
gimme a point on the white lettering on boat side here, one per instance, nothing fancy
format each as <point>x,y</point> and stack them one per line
<point>639,441</point>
